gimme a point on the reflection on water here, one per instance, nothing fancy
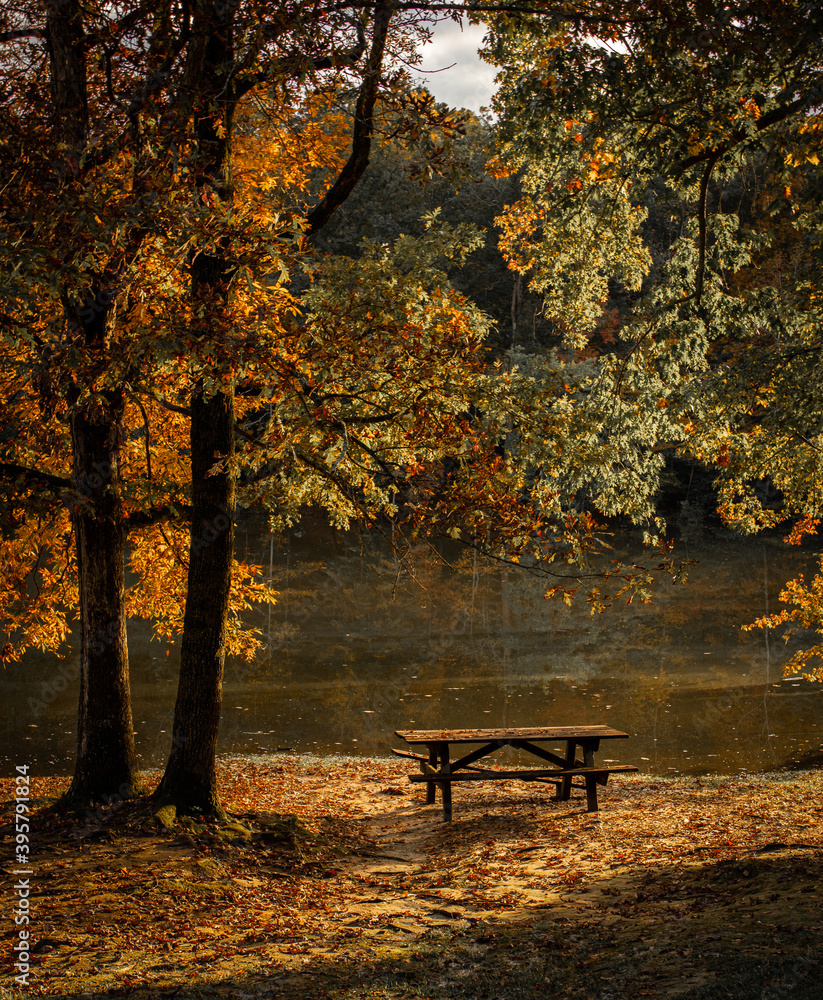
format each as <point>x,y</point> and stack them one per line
<point>358,647</point>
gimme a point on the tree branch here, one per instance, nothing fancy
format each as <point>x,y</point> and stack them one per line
<point>10,36</point>
<point>363,124</point>
<point>335,60</point>
<point>10,471</point>
<point>561,11</point>
<point>738,136</point>
<point>157,515</point>
<point>701,223</point>
<point>155,81</point>
<point>173,407</point>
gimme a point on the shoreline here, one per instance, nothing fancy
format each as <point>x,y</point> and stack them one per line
<point>314,758</point>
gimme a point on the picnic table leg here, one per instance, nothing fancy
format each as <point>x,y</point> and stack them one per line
<point>446,786</point>
<point>430,789</point>
<point>564,789</point>
<point>591,781</point>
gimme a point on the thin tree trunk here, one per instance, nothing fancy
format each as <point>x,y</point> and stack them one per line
<point>517,296</point>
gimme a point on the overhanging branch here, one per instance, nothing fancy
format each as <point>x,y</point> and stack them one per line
<point>157,515</point>
<point>33,477</point>
<point>357,162</point>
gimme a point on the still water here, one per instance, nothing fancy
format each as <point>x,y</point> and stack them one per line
<point>359,646</point>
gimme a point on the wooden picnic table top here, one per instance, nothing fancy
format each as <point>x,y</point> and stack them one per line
<point>482,735</point>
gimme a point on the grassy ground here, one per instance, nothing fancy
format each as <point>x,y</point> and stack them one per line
<point>337,881</point>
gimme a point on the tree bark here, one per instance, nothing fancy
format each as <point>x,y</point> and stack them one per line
<point>358,160</point>
<point>106,765</point>
<point>190,781</point>
<point>65,44</point>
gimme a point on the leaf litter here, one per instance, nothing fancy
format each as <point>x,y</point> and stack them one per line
<point>335,879</point>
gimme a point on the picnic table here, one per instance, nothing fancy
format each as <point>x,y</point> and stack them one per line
<point>438,770</point>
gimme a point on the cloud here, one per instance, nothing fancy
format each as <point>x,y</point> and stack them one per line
<point>468,83</point>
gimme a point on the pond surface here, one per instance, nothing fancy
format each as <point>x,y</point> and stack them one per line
<point>358,647</point>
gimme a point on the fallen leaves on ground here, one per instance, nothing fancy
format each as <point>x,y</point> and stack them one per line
<point>341,882</point>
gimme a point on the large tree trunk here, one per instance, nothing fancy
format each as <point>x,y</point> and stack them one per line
<point>189,782</point>
<point>106,766</point>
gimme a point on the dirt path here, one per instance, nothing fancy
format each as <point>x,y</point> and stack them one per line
<point>687,888</point>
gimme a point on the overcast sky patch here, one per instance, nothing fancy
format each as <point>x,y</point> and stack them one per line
<point>469,83</point>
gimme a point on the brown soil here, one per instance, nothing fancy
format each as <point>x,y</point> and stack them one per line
<point>349,886</point>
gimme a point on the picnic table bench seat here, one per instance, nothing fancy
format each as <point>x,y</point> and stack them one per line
<point>438,770</point>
